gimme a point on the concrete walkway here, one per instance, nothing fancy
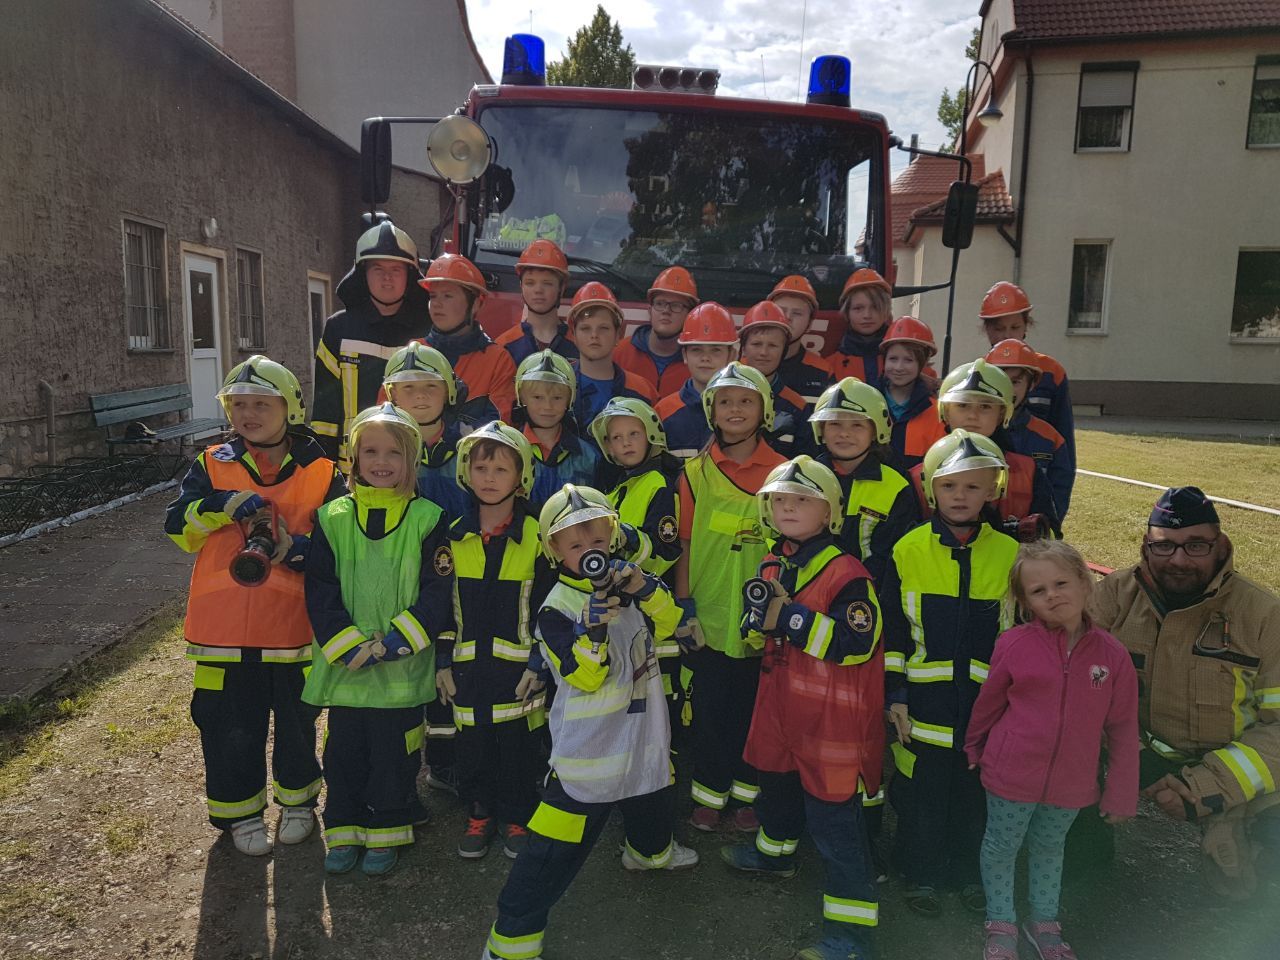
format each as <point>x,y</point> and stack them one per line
<point>73,591</point>
<point>1267,430</point>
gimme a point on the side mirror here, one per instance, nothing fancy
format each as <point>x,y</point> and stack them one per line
<point>375,161</point>
<point>960,214</point>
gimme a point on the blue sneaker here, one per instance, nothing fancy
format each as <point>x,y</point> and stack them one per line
<point>745,856</point>
<point>836,948</point>
<point>379,861</point>
<point>341,859</point>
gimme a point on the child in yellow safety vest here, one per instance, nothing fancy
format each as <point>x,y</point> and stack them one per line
<point>722,544</point>
<point>378,582</point>
<point>246,625</point>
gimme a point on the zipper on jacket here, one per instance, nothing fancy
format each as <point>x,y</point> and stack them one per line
<point>1062,716</point>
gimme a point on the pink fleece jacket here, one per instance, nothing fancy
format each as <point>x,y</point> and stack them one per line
<point>1042,715</point>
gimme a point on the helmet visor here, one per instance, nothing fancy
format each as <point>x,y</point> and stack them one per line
<point>404,376</point>
<point>246,388</point>
<point>583,514</point>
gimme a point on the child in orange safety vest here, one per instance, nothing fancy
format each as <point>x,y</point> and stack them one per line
<point>246,627</point>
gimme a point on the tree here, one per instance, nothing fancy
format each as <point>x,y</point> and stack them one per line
<point>951,110</point>
<point>596,57</point>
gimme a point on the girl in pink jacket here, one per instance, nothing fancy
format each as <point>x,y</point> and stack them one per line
<point>1058,688</point>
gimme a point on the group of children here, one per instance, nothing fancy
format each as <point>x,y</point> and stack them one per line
<point>563,574</point>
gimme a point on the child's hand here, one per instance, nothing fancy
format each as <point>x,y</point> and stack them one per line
<point>1114,819</point>
<point>630,581</point>
<point>446,689</point>
<point>243,504</point>
<point>901,722</point>
<point>529,685</point>
<point>600,610</point>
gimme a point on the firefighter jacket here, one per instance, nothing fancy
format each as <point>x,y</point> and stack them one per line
<point>499,581</point>
<point>610,732</point>
<point>857,356</point>
<point>520,342</point>
<point>790,434</point>
<point>352,358</point>
<point>819,708</point>
<point>591,397</point>
<point>1209,679</point>
<point>807,375</point>
<point>223,616</point>
<point>918,428</point>
<point>634,355</point>
<point>1034,438</point>
<point>486,369</point>
<point>646,499</point>
<point>1050,400</point>
<point>573,459</point>
<point>684,421</point>
<point>378,561</point>
<point>944,606</point>
<point>438,474</point>
<point>879,507</point>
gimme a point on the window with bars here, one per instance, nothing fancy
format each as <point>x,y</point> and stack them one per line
<point>1264,104</point>
<point>1088,286</point>
<point>1105,114</point>
<point>145,289</point>
<point>251,333</point>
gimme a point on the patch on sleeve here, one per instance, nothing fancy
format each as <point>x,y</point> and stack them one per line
<point>667,529</point>
<point>223,452</point>
<point>860,617</point>
<point>442,562</point>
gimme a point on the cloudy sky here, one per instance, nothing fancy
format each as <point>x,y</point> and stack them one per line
<point>903,51</point>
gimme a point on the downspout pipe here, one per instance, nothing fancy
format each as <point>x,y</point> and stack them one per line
<point>1022,177</point>
<point>45,389</point>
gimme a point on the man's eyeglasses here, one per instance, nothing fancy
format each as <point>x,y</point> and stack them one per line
<point>1192,548</point>
<point>670,306</point>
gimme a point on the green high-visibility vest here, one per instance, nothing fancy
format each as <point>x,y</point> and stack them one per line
<point>631,499</point>
<point>726,546</point>
<point>379,580</point>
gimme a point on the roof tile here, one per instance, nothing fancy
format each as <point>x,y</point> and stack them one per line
<point>924,181</point>
<point>1096,19</point>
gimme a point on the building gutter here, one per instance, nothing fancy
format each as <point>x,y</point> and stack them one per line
<point>1016,240</point>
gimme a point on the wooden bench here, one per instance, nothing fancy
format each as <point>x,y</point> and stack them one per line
<point>132,405</point>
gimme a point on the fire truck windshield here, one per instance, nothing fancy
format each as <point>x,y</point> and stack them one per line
<point>738,198</point>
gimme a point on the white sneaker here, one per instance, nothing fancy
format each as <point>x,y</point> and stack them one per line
<point>296,824</point>
<point>250,837</point>
<point>682,858</point>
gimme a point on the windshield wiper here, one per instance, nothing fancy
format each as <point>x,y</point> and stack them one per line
<point>597,266</point>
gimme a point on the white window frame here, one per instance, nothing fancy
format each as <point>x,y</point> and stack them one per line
<point>1102,329</point>
<point>1267,69</point>
<point>1126,131</point>
<point>246,321</point>
<point>159,335</point>
<point>1234,338</point>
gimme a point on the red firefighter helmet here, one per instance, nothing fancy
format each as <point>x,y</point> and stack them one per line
<point>909,330</point>
<point>676,281</point>
<point>795,286</point>
<point>708,323</point>
<point>454,268</point>
<point>1015,353</point>
<point>1004,298</point>
<point>860,280</point>
<point>593,293</point>
<point>763,314</point>
<point>543,255</point>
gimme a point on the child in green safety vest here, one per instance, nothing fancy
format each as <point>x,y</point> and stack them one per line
<point>378,584</point>
<point>722,545</point>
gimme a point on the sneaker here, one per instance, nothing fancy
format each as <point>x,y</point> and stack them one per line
<point>379,860</point>
<point>475,839</point>
<point>1002,940</point>
<point>879,865</point>
<point>744,820</point>
<point>682,858</point>
<point>515,841</point>
<point>296,824</point>
<point>923,900</point>
<point>835,949</point>
<point>704,819</point>
<point>250,837</point>
<point>443,778</point>
<point>745,857</point>
<point>341,859</point>
<point>974,898</point>
<point>1046,937</point>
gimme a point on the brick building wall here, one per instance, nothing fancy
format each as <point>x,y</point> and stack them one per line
<point>259,34</point>
<point>117,110</point>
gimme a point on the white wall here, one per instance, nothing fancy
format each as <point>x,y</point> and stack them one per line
<point>204,15</point>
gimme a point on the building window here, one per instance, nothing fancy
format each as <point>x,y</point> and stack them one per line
<point>251,334</point>
<point>1104,120</point>
<point>1264,104</point>
<point>145,290</point>
<point>1088,286</point>
<point>318,298</point>
<point>1255,315</point>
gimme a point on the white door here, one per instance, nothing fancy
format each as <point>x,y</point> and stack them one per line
<point>202,310</point>
<point>318,299</point>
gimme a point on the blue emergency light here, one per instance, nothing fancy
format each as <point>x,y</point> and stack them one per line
<point>829,81</point>
<point>524,61</point>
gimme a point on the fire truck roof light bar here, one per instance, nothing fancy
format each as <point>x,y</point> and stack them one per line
<point>668,79</point>
<point>829,81</point>
<point>524,61</point>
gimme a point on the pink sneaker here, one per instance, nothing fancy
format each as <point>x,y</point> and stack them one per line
<point>1046,937</point>
<point>1002,940</point>
<point>744,820</point>
<point>704,819</point>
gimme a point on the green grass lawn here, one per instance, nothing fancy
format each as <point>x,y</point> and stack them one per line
<point>1108,518</point>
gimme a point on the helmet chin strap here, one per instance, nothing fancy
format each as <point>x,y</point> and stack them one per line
<point>495,503</point>
<point>386,303</point>
<point>267,446</point>
<point>724,446</point>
